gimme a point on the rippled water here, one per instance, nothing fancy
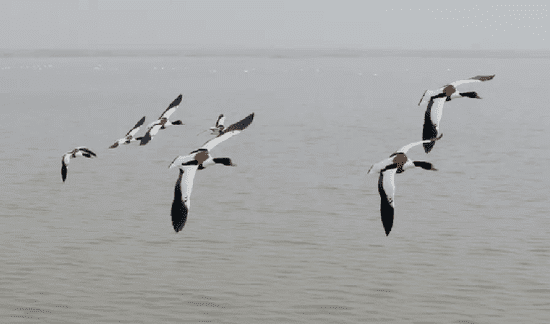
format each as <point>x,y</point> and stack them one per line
<point>293,233</point>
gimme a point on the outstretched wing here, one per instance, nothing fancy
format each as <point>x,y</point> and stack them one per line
<point>136,128</point>
<point>405,148</point>
<point>183,160</point>
<point>427,95</point>
<point>431,122</point>
<point>386,188</point>
<point>478,78</point>
<point>153,130</point>
<point>220,121</point>
<point>173,106</point>
<point>229,131</point>
<point>86,152</point>
<point>182,194</point>
<point>64,161</point>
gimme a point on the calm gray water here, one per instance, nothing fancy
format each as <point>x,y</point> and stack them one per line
<point>293,233</point>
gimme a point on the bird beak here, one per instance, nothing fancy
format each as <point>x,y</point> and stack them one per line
<point>478,97</point>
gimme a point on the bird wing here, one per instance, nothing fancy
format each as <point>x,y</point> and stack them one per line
<point>427,94</point>
<point>182,194</point>
<point>478,78</point>
<point>86,152</point>
<point>171,108</point>
<point>229,132</point>
<point>407,147</point>
<point>377,167</point>
<point>64,162</point>
<point>183,160</point>
<point>386,188</point>
<point>136,128</point>
<point>152,131</point>
<point>430,129</point>
<point>438,111</point>
<point>220,121</point>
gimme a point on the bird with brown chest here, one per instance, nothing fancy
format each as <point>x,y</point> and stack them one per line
<point>198,160</point>
<point>398,162</point>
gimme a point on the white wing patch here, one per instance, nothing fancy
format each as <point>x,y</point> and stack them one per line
<point>168,112</point>
<point>187,186</point>
<point>389,185</point>
<point>217,140</point>
<point>407,147</point>
<point>155,129</point>
<point>437,112</point>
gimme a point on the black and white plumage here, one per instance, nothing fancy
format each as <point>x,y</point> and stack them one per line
<point>198,160</point>
<point>432,116</point>
<point>162,122</point>
<point>398,162</point>
<point>216,130</point>
<point>130,135</point>
<point>66,159</point>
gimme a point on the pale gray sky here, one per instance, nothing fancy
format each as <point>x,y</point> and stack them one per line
<point>98,24</point>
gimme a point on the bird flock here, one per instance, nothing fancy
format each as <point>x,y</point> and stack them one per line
<point>201,158</point>
<point>188,165</point>
<point>398,162</point>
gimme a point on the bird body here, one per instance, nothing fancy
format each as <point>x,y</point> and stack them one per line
<point>436,99</point>
<point>129,137</point>
<point>398,162</point>
<point>66,159</point>
<point>162,122</point>
<point>450,92</point>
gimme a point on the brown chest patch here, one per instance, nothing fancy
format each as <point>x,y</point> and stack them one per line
<point>201,156</point>
<point>449,90</point>
<point>400,159</point>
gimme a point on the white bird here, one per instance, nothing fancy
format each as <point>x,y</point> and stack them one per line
<point>432,117</point>
<point>162,122</point>
<point>66,159</point>
<point>398,162</point>
<point>198,160</point>
<point>216,130</point>
<point>130,135</point>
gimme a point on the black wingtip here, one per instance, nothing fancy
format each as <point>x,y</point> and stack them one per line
<point>63,172</point>
<point>140,122</point>
<point>145,139</point>
<point>240,125</point>
<point>114,145</point>
<point>176,102</point>
<point>386,209</point>
<point>428,147</point>
<point>179,209</point>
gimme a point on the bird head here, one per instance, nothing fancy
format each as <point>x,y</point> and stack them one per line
<point>471,94</point>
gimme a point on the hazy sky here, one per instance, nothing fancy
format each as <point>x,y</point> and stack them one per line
<point>97,24</point>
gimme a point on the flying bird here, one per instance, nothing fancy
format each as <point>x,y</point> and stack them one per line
<point>432,117</point>
<point>66,159</point>
<point>198,160</point>
<point>130,135</point>
<point>162,122</point>
<point>398,162</point>
<point>216,130</point>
